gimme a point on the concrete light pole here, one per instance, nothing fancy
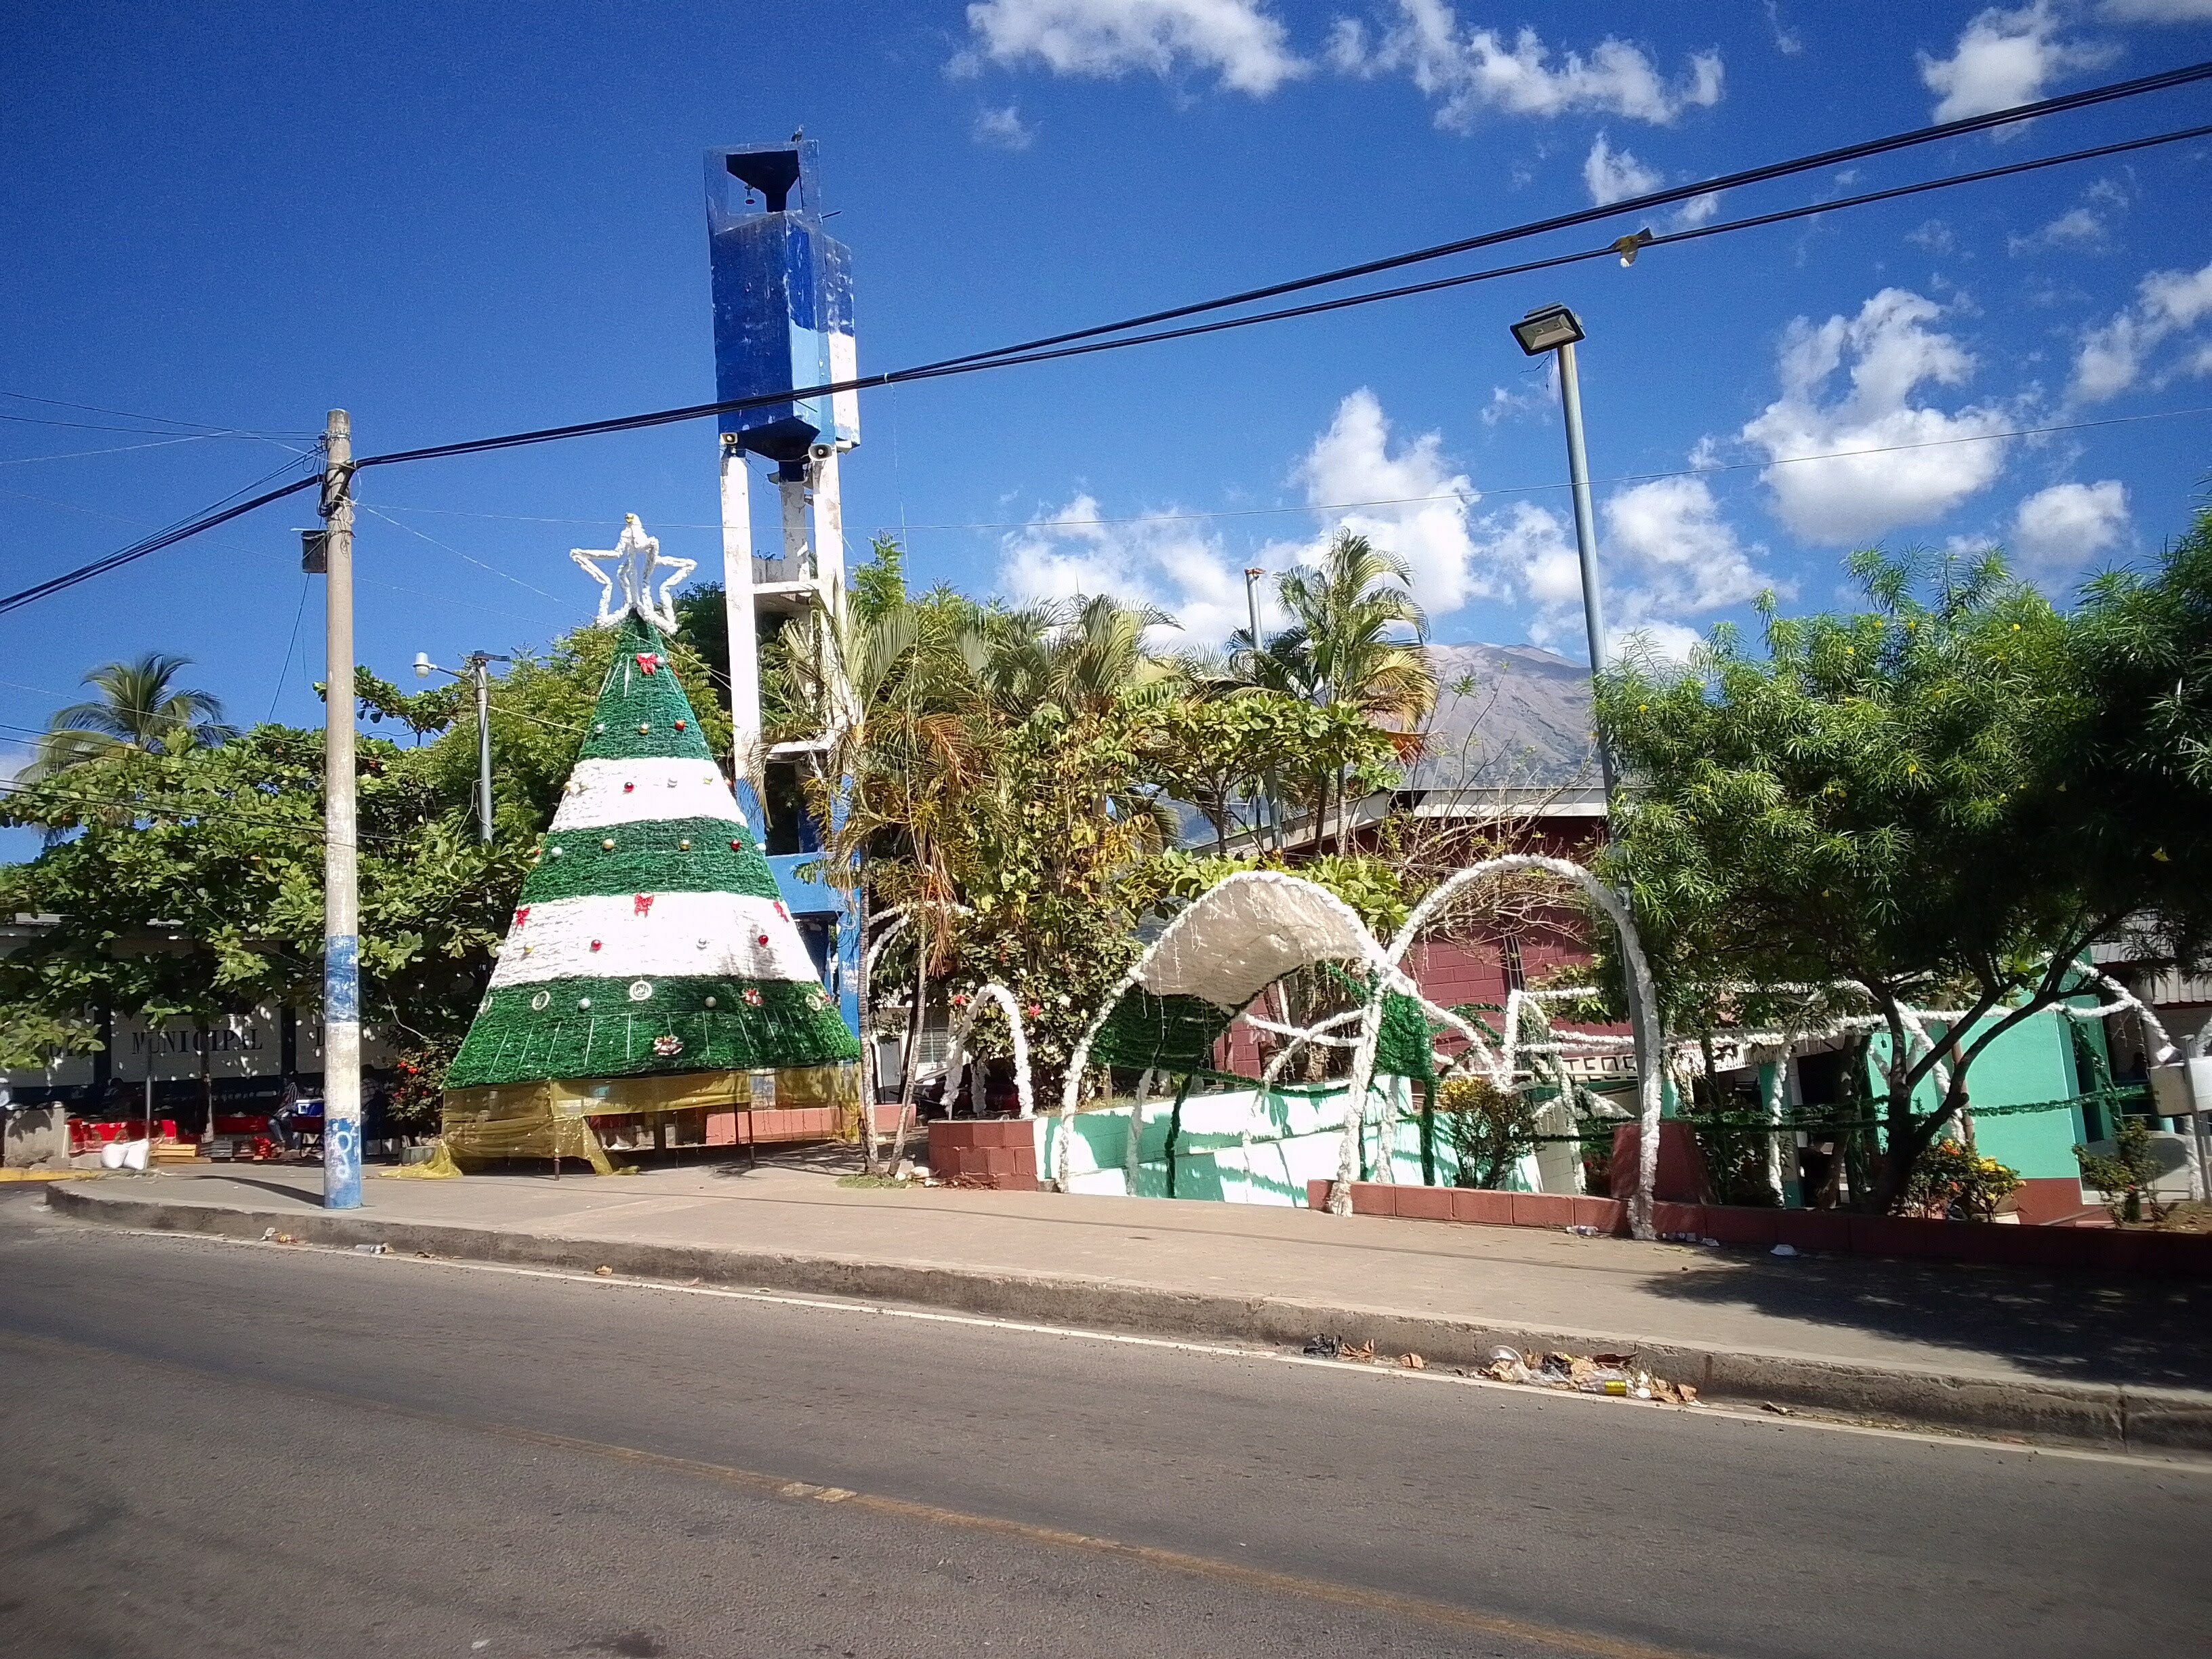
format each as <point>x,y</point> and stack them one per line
<point>1555,329</point>
<point>476,668</point>
<point>341,855</point>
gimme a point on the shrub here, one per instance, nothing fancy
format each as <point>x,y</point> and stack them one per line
<point>1489,1129</point>
<point>2124,1176</point>
<point>1951,1175</point>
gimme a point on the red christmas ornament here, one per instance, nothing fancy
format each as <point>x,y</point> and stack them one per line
<point>627,788</point>
<point>679,726</point>
<point>736,845</point>
<point>595,945</point>
<point>648,661</point>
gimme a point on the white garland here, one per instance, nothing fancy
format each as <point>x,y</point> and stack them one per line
<point>955,1064</point>
<point>650,936</point>
<point>603,792</point>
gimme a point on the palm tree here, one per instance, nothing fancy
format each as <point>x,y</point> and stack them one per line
<point>140,711</point>
<point>1083,659</point>
<point>1355,637</point>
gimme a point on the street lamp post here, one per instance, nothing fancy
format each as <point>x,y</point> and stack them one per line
<point>1555,329</point>
<point>476,668</point>
<point>1252,574</point>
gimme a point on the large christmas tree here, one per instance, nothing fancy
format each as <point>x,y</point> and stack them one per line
<point>648,940</point>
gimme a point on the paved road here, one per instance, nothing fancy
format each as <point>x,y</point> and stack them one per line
<point>245,1449</point>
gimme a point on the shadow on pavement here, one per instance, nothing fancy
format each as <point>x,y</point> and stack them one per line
<point>2076,1327</point>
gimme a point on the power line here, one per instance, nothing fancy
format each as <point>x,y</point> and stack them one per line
<point>2093,96</point>
<point>1051,347</point>
<point>155,543</point>
<point>1473,495</point>
<point>210,427</point>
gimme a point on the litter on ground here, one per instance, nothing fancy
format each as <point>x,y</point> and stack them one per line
<point>1615,1374</point>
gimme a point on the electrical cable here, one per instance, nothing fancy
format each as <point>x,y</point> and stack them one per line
<point>2086,98</point>
<point>154,544</point>
<point>208,427</point>
<point>1052,347</point>
<point>306,580</point>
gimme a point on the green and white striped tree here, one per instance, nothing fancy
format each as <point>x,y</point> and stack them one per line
<point>648,939</point>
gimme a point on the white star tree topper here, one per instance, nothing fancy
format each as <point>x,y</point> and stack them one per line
<point>635,558</point>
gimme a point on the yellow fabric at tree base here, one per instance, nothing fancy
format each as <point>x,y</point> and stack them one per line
<point>553,1116</point>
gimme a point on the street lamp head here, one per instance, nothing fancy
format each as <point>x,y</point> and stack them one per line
<point>1546,329</point>
<point>421,665</point>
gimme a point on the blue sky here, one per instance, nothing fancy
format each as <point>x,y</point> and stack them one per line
<point>467,218</point>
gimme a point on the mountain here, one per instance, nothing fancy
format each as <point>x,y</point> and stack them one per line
<point>1507,715</point>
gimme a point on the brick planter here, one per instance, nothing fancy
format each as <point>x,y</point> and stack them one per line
<point>2103,1249</point>
<point>994,1153</point>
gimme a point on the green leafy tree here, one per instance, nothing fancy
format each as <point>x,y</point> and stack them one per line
<point>1880,798</point>
<point>188,882</point>
<point>29,1039</point>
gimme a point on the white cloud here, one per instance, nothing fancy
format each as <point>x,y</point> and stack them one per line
<point>1699,209</point>
<point>1426,522</point>
<point>1787,41</point>
<point>1413,504</point>
<point>1614,175</point>
<point>2076,227</point>
<point>2157,11</point>
<point>1666,641</point>
<point>1894,463</point>
<point>1684,559</point>
<point>1934,235</point>
<point>1239,39</point>
<point>1004,128</point>
<point>1477,71</point>
<point>2112,356</point>
<point>1160,560</point>
<point>2005,59</point>
<point>1666,555</point>
<point>2059,529</point>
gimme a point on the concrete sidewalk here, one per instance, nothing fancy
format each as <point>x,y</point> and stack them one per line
<point>2067,1356</point>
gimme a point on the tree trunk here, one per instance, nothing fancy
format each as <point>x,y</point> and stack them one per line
<point>913,1051</point>
<point>870,1081</point>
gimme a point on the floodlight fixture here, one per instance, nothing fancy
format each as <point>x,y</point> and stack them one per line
<point>1546,329</point>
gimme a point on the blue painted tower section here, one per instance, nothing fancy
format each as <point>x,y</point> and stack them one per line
<point>783,322</point>
<point>783,301</point>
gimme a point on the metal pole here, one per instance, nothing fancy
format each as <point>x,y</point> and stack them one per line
<point>482,664</point>
<point>743,634</point>
<point>1252,574</point>
<point>341,872</point>
<point>1571,395</point>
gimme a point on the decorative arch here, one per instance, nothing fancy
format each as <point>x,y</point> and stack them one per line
<point>956,1061</point>
<point>1642,1011</point>
<point>1235,939</point>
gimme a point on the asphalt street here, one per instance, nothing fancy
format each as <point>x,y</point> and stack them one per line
<point>236,1449</point>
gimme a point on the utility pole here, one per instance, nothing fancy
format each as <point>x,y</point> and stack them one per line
<point>341,861</point>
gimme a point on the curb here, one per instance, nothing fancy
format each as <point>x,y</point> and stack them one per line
<point>2108,1415</point>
